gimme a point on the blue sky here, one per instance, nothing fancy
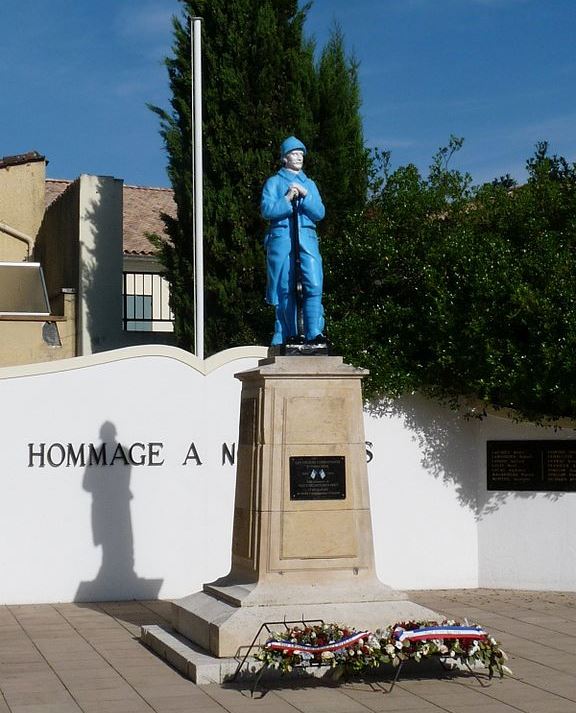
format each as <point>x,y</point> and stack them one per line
<point>75,77</point>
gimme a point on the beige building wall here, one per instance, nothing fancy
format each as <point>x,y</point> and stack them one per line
<point>56,246</point>
<point>22,189</point>
<point>26,340</point>
<point>78,241</point>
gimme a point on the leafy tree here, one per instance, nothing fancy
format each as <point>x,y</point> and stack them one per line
<point>454,290</point>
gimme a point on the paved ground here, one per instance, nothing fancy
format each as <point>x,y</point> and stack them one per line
<point>67,658</point>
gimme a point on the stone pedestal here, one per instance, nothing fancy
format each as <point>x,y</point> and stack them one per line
<point>302,540</point>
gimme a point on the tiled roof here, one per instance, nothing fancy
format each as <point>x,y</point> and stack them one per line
<point>55,188</point>
<point>20,159</point>
<point>142,213</point>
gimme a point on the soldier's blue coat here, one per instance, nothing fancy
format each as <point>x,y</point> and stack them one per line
<point>277,209</point>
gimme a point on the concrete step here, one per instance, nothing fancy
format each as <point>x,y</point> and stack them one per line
<point>192,661</point>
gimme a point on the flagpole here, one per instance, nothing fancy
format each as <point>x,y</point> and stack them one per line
<point>197,171</point>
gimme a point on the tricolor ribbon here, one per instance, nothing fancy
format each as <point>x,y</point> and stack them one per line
<point>282,645</point>
<point>440,632</point>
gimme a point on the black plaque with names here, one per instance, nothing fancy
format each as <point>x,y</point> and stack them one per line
<point>317,478</point>
<point>544,466</point>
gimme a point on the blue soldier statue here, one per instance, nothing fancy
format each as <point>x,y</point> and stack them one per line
<point>292,205</point>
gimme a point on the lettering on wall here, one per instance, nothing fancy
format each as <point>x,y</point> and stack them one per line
<point>69,455</point>
<point>369,451</point>
<point>192,455</point>
<point>81,455</point>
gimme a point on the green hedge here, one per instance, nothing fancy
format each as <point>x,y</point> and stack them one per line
<point>455,290</point>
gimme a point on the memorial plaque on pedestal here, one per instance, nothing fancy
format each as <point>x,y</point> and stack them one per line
<point>544,466</point>
<point>317,478</point>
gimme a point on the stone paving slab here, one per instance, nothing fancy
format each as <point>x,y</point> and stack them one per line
<point>86,658</point>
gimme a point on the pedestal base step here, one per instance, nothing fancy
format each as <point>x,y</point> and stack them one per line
<point>201,667</point>
<point>193,662</point>
<point>222,629</point>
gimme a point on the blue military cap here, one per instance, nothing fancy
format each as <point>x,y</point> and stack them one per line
<point>291,144</point>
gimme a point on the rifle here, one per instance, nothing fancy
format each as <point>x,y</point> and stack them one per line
<point>298,288</point>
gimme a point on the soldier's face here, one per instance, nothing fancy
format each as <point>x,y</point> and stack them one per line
<point>295,160</point>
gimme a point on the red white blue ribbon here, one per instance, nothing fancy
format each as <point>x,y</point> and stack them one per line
<point>291,647</point>
<point>440,632</point>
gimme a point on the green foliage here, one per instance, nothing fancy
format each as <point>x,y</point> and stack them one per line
<point>453,290</point>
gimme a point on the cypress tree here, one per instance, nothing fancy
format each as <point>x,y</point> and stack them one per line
<point>259,86</point>
<point>342,163</point>
<point>341,168</point>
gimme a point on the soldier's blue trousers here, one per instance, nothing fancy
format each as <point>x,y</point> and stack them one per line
<point>282,275</point>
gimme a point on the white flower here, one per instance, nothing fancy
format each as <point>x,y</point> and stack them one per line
<point>398,645</point>
<point>390,648</point>
<point>327,655</point>
<point>373,642</point>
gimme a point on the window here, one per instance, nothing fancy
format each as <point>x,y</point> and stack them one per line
<point>145,303</point>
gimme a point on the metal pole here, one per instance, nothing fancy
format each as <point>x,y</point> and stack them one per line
<point>198,229</point>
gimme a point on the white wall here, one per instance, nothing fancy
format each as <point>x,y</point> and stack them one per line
<point>180,515</point>
<point>527,540</point>
<point>422,485</point>
<point>81,532</point>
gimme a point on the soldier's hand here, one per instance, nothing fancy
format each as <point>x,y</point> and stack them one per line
<point>292,193</point>
<point>298,189</point>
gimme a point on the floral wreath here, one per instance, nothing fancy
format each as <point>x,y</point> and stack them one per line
<point>350,651</point>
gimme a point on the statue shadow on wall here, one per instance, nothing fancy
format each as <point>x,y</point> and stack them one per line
<point>112,529</point>
<point>449,451</point>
